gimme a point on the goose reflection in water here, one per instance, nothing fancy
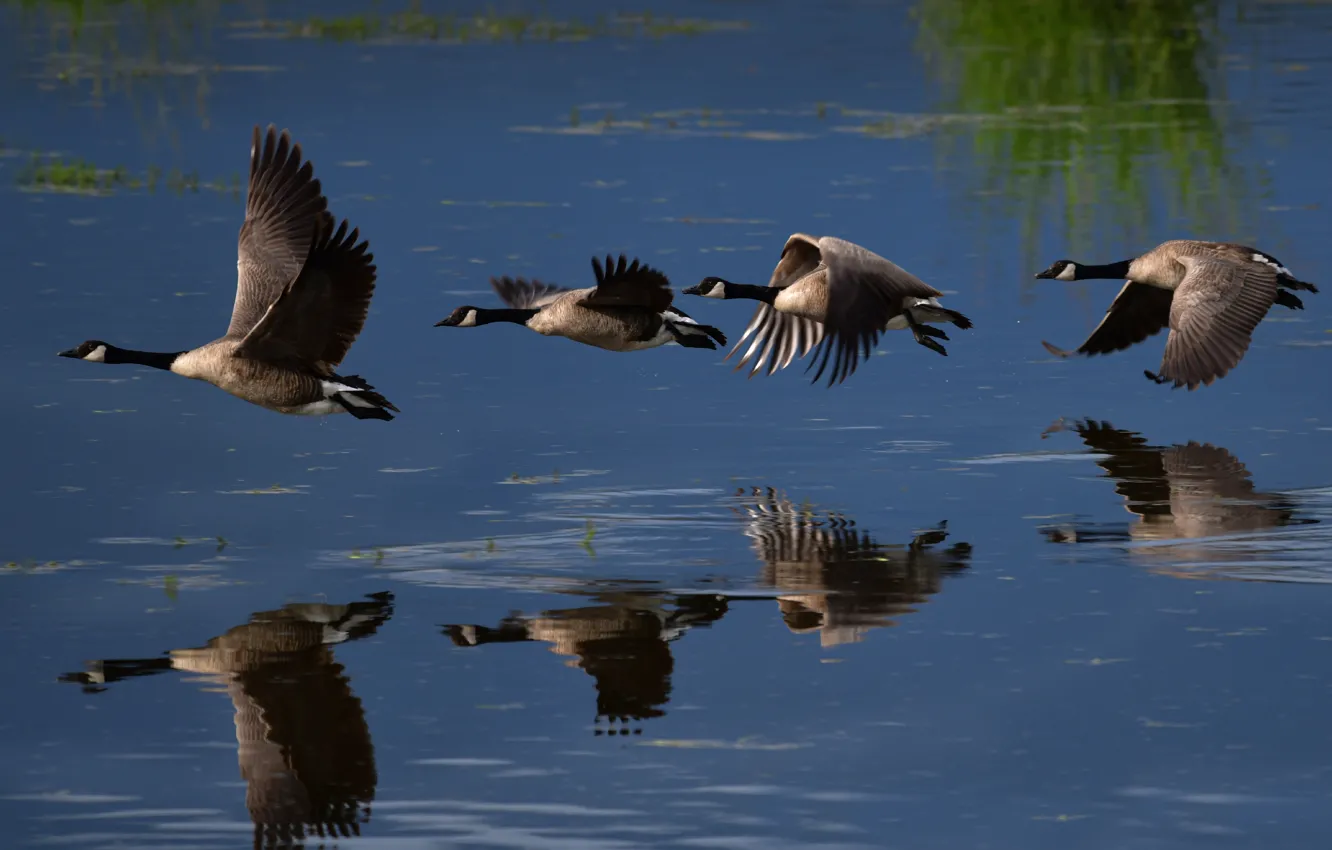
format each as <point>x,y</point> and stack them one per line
<point>304,747</point>
<point>834,578</point>
<point>1178,493</point>
<point>622,642</point>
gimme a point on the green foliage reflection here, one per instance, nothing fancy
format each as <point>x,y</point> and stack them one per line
<point>1107,114</point>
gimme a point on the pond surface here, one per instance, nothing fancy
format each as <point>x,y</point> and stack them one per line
<point>574,599</point>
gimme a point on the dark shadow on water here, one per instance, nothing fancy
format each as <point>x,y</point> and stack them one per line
<point>304,747</point>
<point>622,642</point>
<point>1197,512</point>
<point>835,578</point>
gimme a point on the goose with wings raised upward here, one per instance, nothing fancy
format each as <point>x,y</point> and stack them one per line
<point>830,292</point>
<point>302,294</point>
<point>1210,294</point>
<point>628,310</point>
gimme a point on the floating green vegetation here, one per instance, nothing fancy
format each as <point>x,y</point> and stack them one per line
<point>57,174</point>
<point>1099,116</point>
<point>149,52</point>
<point>376,555</point>
<point>414,24</point>
<point>29,565</point>
<point>589,535</point>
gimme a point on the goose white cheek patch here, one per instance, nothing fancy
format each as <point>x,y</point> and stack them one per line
<point>97,355</point>
<point>1068,273</point>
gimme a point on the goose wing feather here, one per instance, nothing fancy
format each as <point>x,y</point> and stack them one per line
<point>315,319</point>
<point>1215,310</point>
<point>283,209</point>
<point>1138,312</point>
<point>522,294</point>
<point>779,338</point>
<point>864,292</point>
<point>628,284</point>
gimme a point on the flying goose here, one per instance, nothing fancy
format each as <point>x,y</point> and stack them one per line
<point>828,291</point>
<point>628,310</point>
<point>622,641</point>
<point>1224,291</point>
<point>303,745</point>
<point>302,292</point>
<point>833,577</point>
<point>1179,492</point>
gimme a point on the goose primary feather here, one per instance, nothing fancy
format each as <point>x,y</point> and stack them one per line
<point>1211,295</point>
<point>303,290</point>
<point>835,295</point>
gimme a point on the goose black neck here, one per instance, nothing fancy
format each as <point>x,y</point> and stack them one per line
<point>517,316</point>
<point>766,294</point>
<point>155,359</point>
<point>1109,271</point>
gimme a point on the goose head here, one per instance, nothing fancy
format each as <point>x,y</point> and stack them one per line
<point>709,287</point>
<point>463,317</point>
<point>93,350</point>
<point>1060,270</point>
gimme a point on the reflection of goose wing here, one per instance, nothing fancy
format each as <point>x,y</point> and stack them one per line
<point>1211,493</point>
<point>305,749</point>
<point>623,643</point>
<point>1134,466</point>
<point>841,582</point>
<point>794,542</point>
<point>622,647</point>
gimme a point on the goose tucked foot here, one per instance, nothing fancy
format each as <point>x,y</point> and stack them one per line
<point>1152,376</point>
<point>923,334</point>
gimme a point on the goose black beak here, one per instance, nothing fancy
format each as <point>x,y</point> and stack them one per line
<point>1045,275</point>
<point>693,290</point>
<point>445,323</point>
<point>71,352</point>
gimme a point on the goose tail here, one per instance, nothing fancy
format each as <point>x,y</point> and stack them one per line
<point>692,334</point>
<point>360,399</point>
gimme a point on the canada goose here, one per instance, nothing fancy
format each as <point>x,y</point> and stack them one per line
<point>628,310</point>
<point>1224,290</point>
<point>303,744</point>
<point>623,642</point>
<point>830,291</point>
<point>833,577</point>
<point>302,292</point>
<point>1179,492</point>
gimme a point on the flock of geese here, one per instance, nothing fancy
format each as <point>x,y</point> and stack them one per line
<point>305,282</point>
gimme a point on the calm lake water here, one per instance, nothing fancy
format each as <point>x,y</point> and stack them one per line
<point>572,599</point>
